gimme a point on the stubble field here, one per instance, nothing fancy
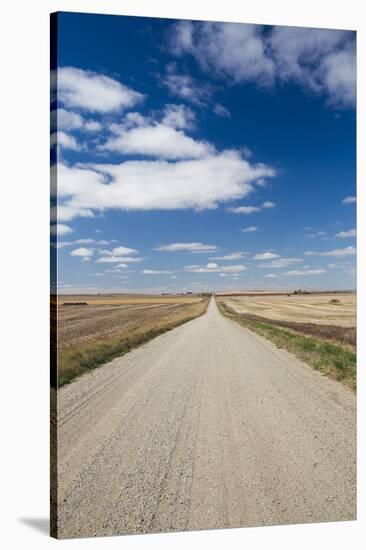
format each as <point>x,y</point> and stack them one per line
<point>94,329</point>
<point>318,328</point>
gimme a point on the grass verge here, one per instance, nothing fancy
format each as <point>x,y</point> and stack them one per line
<point>331,359</point>
<point>80,358</point>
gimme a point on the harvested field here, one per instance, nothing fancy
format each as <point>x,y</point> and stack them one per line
<point>311,308</point>
<point>110,326</point>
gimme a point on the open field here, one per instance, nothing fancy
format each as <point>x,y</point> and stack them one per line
<point>330,349</point>
<point>208,426</point>
<point>108,326</point>
<point>309,308</point>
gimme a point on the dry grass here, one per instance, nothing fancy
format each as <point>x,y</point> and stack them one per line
<point>127,299</point>
<point>89,336</point>
<point>313,308</point>
<point>331,359</point>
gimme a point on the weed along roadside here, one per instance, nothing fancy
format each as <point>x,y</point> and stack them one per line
<point>333,359</point>
<point>84,355</point>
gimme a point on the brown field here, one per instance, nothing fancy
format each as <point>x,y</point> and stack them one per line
<point>310,308</point>
<point>109,326</point>
<point>311,314</point>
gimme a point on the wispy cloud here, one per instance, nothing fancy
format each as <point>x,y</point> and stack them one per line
<point>212,267</point>
<point>300,272</point>
<point>195,247</point>
<point>346,234</point>
<point>156,272</point>
<point>266,256</point>
<point>348,251</point>
<point>281,263</point>
<point>250,229</point>
<point>232,256</point>
<point>319,60</point>
<point>349,200</point>
<point>251,209</point>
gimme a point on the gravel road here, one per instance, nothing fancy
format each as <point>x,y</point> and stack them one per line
<point>206,426</point>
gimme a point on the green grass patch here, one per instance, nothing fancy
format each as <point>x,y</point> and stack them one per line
<point>331,359</point>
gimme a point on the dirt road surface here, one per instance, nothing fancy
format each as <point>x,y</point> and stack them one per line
<point>206,426</point>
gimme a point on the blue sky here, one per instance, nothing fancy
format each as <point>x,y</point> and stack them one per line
<point>203,156</point>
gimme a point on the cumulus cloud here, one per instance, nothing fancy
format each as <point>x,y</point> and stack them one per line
<point>244,209</point>
<point>156,272</point>
<point>178,116</point>
<point>348,251</point>
<point>270,276</point>
<point>70,120</point>
<point>319,60</point>
<point>185,87</point>
<point>65,141</point>
<point>119,251</point>
<point>251,209</point>
<point>60,229</point>
<point>212,267</point>
<point>349,200</point>
<point>297,273</point>
<point>226,49</point>
<point>145,185</point>
<point>116,259</point>
<point>249,229</point>
<point>194,247</point>
<point>232,256</point>
<point>279,263</point>
<point>346,234</point>
<point>82,252</point>
<point>266,256</point>
<point>90,91</point>
<point>158,140</point>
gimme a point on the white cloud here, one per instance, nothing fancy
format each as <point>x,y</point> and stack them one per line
<point>243,209</point>
<point>232,256</point>
<point>348,251</point>
<point>228,49</point>
<point>349,200</point>
<point>82,252</point>
<point>191,247</point>
<point>297,273</point>
<point>221,110</point>
<point>319,60</point>
<point>94,92</point>
<point>178,116</point>
<point>185,87</point>
<point>60,229</point>
<point>156,272</point>
<point>116,259</point>
<point>266,256</point>
<point>69,121</point>
<point>212,267</point>
<point>280,263</point>
<point>158,140</point>
<point>64,141</point>
<point>250,229</point>
<point>119,251</point>
<point>270,276</point>
<point>251,209</point>
<point>346,234</point>
<point>146,185</point>
<point>317,234</point>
